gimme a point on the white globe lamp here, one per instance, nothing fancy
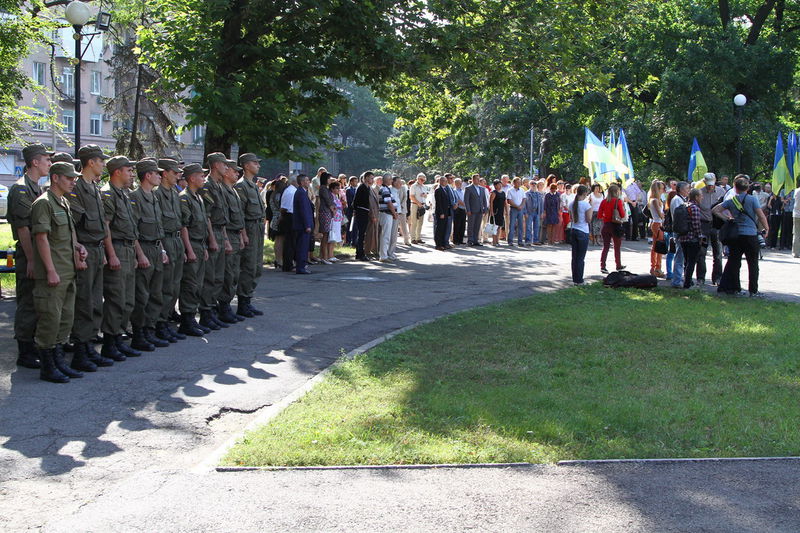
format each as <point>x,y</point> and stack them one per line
<point>77,13</point>
<point>739,100</point>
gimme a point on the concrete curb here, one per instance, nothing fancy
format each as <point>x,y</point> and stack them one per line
<point>678,460</point>
<point>374,467</point>
<point>212,460</point>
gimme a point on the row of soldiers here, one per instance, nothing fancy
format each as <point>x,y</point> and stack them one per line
<point>91,258</point>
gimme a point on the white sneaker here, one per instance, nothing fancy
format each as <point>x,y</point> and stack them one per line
<point>325,262</point>
<point>333,260</point>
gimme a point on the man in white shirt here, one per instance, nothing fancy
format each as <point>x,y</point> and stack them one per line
<point>285,224</point>
<point>515,198</point>
<point>419,196</point>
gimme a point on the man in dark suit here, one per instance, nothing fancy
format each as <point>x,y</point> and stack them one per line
<point>475,203</point>
<point>443,214</point>
<point>350,195</point>
<point>361,212</point>
<point>302,224</point>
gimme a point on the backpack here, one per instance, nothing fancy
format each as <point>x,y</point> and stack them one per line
<point>623,278</point>
<point>680,220</point>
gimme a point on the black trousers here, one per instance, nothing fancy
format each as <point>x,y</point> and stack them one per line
<point>748,246</point>
<point>459,225</point>
<point>712,238</point>
<point>440,231</point>
<point>786,231</point>
<point>774,226</point>
<point>360,231</point>
<point>285,227</point>
<point>691,251</point>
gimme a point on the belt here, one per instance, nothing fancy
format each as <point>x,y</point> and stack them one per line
<point>153,243</point>
<point>201,241</point>
<point>254,219</point>
<point>98,243</point>
<point>175,234</point>
<point>124,242</point>
<point>229,230</point>
<point>218,226</point>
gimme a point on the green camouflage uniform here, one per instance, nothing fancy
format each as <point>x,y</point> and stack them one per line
<point>148,300</point>
<point>171,223</point>
<point>217,210</point>
<point>252,257</point>
<point>119,289</point>
<point>193,217</point>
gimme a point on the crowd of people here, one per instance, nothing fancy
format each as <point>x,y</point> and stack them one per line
<point>92,259</point>
<point>184,240</point>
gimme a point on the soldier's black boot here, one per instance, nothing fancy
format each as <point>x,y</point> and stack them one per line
<point>163,333</point>
<point>139,342</point>
<point>48,371</point>
<point>253,310</point>
<point>126,350</point>
<point>110,349</point>
<point>95,357</point>
<point>225,313</point>
<point>61,363</point>
<point>149,335</point>
<point>215,318</point>
<point>28,355</point>
<point>80,358</point>
<point>243,309</point>
<point>189,326</point>
<point>207,321</point>
<point>175,334</point>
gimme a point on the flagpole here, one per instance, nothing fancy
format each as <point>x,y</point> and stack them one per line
<point>531,170</point>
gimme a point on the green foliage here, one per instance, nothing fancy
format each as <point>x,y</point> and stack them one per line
<point>551,377</point>
<point>665,71</point>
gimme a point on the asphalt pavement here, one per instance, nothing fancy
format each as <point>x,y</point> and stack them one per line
<point>119,449</point>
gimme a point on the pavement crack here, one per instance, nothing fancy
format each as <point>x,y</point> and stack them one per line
<point>225,410</point>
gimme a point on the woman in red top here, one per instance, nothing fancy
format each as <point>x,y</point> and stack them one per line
<point>611,230</point>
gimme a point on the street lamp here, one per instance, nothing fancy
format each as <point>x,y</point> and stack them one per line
<point>739,101</point>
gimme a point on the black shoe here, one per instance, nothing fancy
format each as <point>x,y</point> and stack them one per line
<point>189,326</point>
<point>175,335</point>
<point>243,309</point>
<point>28,355</point>
<point>80,359</point>
<point>206,321</point>
<point>149,335</point>
<point>61,363</point>
<point>110,349</point>
<point>95,357</point>
<point>175,317</point>
<point>162,332</point>
<point>603,270</point>
<point>140,342</point>
<point>225,314</point>
<point>216,319</point>
<point>253,310</point>
<point>48,371</point>
<point>126,350</point>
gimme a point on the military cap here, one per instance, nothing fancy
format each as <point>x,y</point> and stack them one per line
<point>231,163</point>
<point>246,158</point>
<point>194,168</point>
<point>91,151</point>
<point>147,165</point>
<point>169,164</point>
<point>63,168</point>
<point>216,157</point>
<point>33,150</point>
<point>117,162</point>
<point>64,157</point>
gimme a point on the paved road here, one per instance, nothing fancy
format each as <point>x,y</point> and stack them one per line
<point>116,449</point>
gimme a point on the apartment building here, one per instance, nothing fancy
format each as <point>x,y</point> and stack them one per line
<point>53,75</point>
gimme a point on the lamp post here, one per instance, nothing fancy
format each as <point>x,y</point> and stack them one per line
<point>531,169</point>
<point>739,101</point>
<point>77,14</point>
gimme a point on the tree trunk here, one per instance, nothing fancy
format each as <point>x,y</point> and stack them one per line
<point>220,142</point>
<point>134,147</point>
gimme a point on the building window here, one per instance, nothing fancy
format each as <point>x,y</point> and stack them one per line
<point>68,82</point>
<point>68,119</point>
<point>197,134</point>
<point>39,73</point>
<point>96,124</point>
<point>37,125</point>
<point>96,82</point>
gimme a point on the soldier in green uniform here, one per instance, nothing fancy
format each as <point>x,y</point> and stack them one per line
<point>195,232</point>
<point>20,199</point>
<point>171,223</point>
<point>87,211</point>
<point>123,255</point>
<point>254,216</point>
<point>237,236</point>
<point>147,216</point>
<point>217,211</point>
<point>56,257</point>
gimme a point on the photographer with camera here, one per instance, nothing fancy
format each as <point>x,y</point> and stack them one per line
<point>745,210</point>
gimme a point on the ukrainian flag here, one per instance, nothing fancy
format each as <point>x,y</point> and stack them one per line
<point>697,164</point>
<point>625,157</point>
<point>781,178</point>
<point>596,155</point>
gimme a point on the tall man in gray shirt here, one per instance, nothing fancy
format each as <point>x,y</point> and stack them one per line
<point>711,195</point>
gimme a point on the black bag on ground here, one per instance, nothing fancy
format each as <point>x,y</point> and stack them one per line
<point>680,220</point>
<point>623,278</point>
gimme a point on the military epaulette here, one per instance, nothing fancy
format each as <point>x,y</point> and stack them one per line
<point>106,193</point>
<point>74,195</point>
<point>184,199</point>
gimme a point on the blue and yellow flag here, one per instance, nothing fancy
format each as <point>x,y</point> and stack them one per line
<point>599,159</point>
<point>697,164</point>
<point>624,155</point>
<point>781,179</point>
<point>793,160</point>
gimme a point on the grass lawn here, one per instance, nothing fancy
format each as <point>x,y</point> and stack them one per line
<point>583,373</point>
<point>7,281</point>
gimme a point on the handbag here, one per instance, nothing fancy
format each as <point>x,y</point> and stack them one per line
<point>661,247</point>
<point>491,228</point>
<point>616,218</point>
<point>729,232</point>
